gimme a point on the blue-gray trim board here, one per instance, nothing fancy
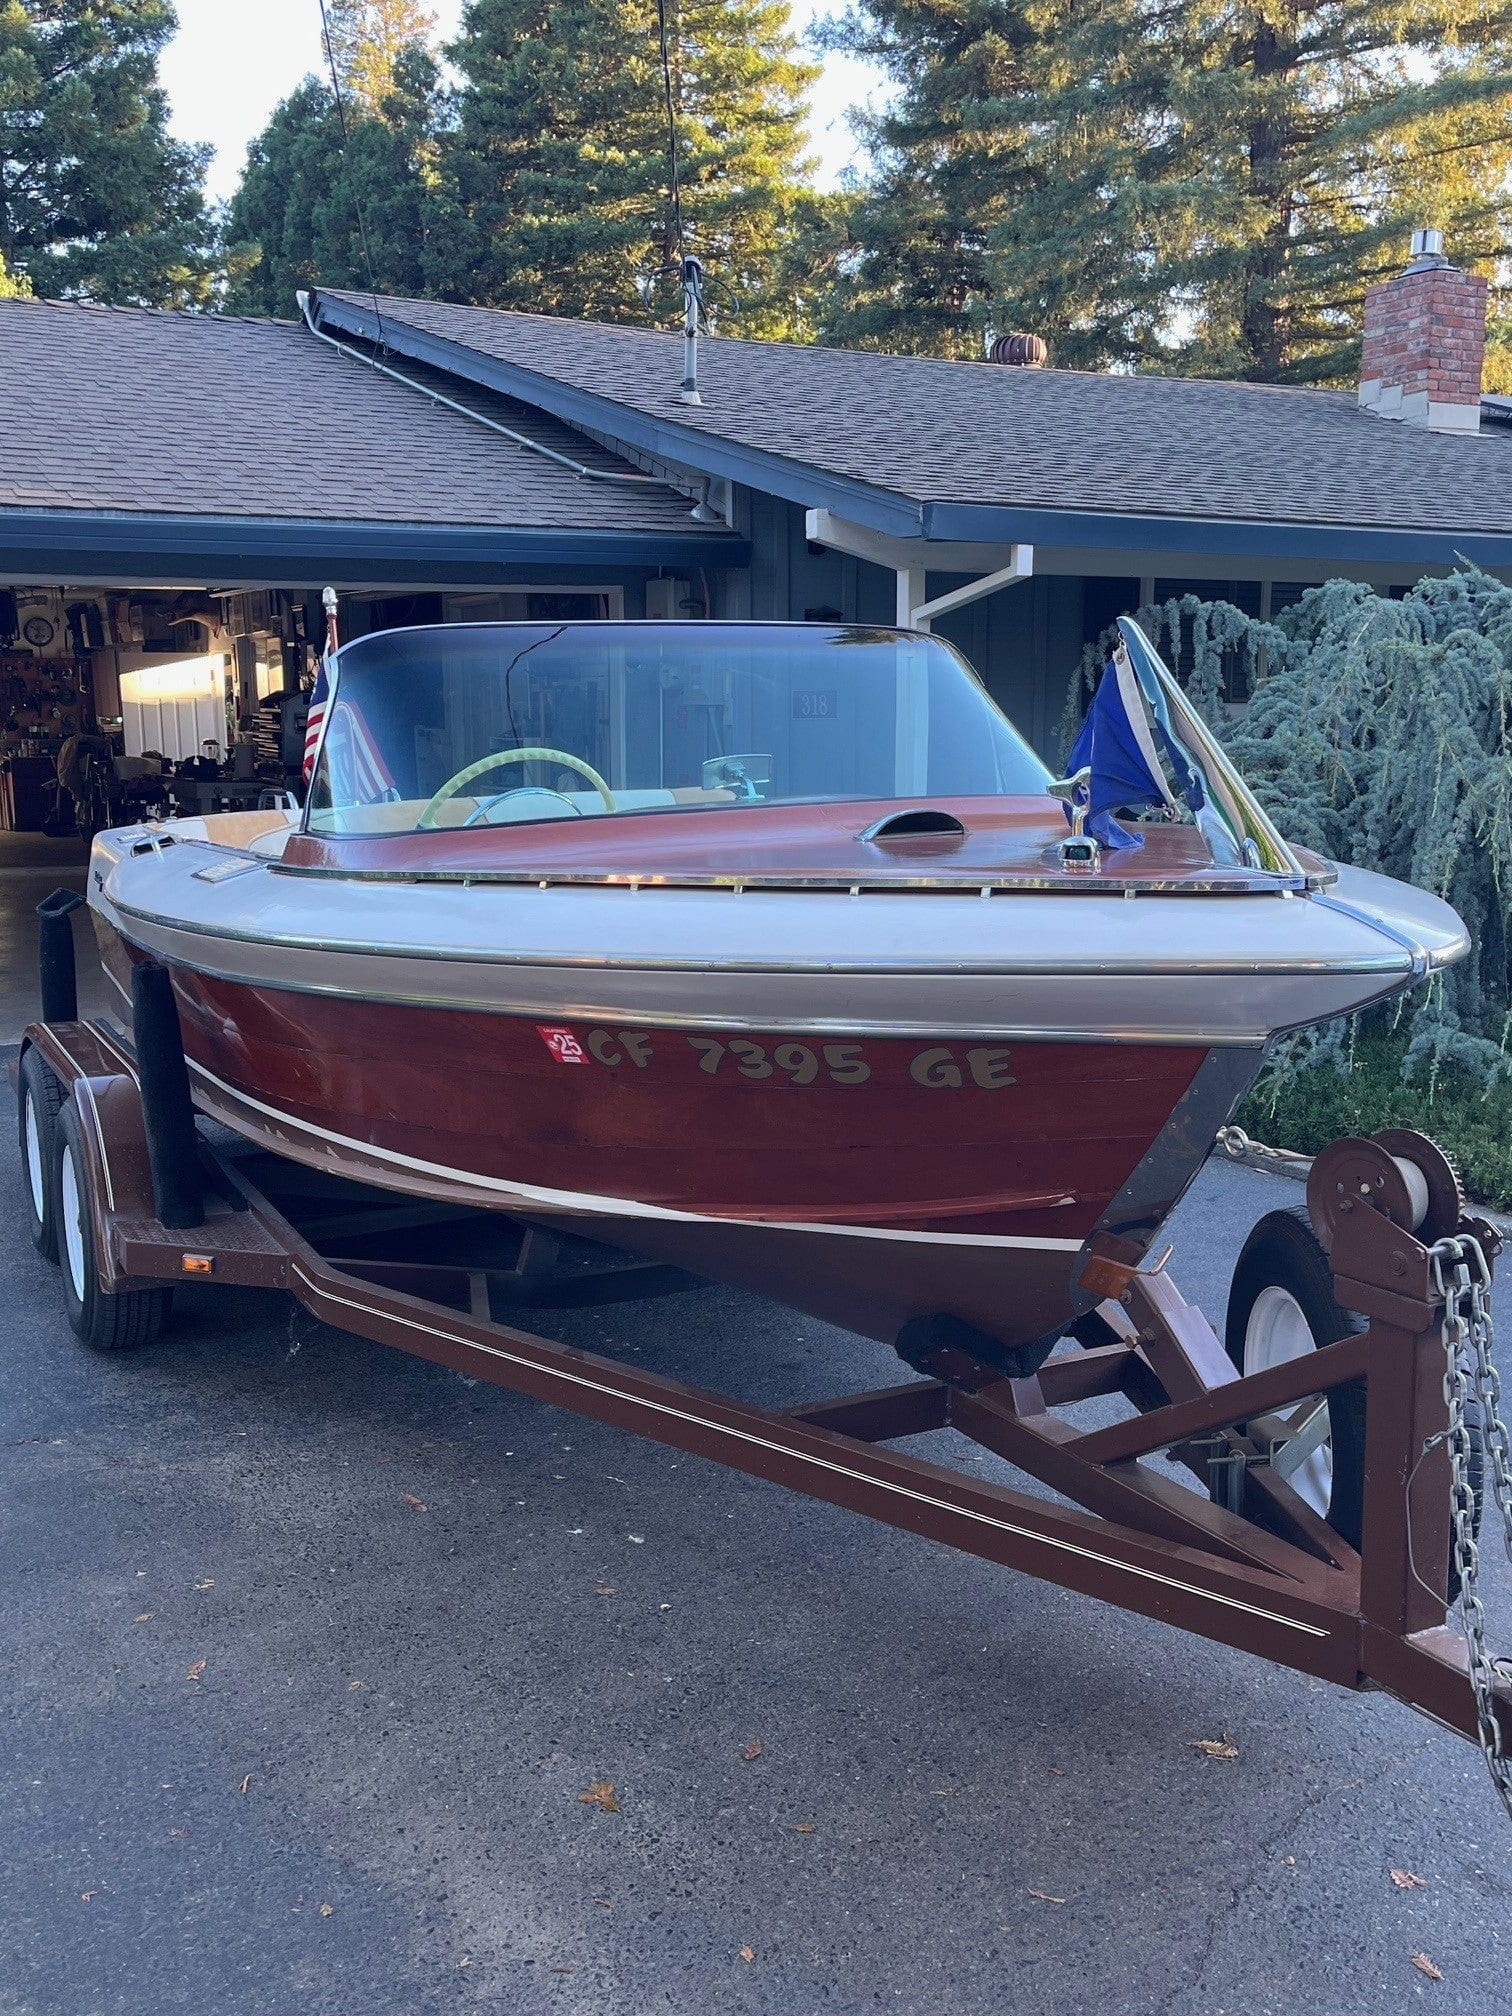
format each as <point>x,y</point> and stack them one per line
<point>83,545</point>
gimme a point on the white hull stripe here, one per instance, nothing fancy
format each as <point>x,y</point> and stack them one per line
<point>1000,1525</point>
<point>589,1203</point>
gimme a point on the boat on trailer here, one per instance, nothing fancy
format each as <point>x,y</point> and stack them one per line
<point>768,950</point>
<point>915,1036</point>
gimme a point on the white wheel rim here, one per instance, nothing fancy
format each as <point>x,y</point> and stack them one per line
<point>35,1173</point>
<point>73,1221</point>
<point>1278,1332</point>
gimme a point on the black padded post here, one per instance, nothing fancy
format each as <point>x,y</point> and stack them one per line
<point>57,973</point>
<point>172,1145</point>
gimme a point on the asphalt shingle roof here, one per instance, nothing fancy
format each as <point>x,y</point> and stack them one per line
<point>133,410</point>
<point>966,433</point>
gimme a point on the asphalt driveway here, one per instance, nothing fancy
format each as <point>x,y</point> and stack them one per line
<point>311,1651</point>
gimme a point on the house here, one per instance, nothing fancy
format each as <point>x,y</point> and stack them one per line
<point>175,479</point>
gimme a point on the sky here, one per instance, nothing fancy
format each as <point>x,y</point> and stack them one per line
<point>233,60</point>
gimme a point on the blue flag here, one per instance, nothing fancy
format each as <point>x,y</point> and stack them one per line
<point>1117,744</point>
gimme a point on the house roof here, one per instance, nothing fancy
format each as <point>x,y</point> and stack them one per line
<point>182,413</point>
<point>976,450</point>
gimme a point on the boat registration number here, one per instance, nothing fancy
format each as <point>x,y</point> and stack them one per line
<point>936,1066</point>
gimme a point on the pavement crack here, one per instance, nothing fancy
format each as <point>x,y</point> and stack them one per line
<point>1239,1891</point>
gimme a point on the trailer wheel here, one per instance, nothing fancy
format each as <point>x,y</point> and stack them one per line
<point>1282,1306</point>
<point>41,1096</point>
<point>100,1319</point>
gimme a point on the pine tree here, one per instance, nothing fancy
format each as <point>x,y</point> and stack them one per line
<point>1198,185</point>
<point>556,177</point>
<point>96,199</point>
<point>314,207</point>
<point>367,39</point>
<point>948,161</point>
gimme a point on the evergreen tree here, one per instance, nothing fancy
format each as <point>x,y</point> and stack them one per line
<point>917,275</point>
<point>556,177</point>
<point>368,37</point>
<point>1198,185</point>
<point>313,208</point>
<point>96,199</point>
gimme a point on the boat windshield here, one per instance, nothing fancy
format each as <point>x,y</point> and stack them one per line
<point>497,723</point>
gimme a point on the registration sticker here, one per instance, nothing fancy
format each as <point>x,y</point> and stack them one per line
<point>562,1044</point>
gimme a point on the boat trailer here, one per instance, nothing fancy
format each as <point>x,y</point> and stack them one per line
<point>144,1195</point>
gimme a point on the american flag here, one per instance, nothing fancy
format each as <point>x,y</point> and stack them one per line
<point>358,773</point>
<point>354,762</point>
<point>319,700</point>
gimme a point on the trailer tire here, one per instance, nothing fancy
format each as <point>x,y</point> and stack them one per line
<point>1281,1306</point>
<point>103,1320</point>
<point>1283,1252</point>
<point>40,1098</point>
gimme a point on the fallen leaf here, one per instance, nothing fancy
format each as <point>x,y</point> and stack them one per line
<point>208,1583</point>
<point>1288,1861</point>
<point>1425,1966</point>
<point>1045,1897</point>
<point>465,1961</point>
<point>179,1833</point>
<point>752,1750</point>
<point>601,1794</point>
<point>86,1896</point>
<point>1217,1747</point>
<point>805,1827</point>
<point>326,1910</point>
<point>415,1504</point>
<point>353,1685</point>
<point>143,1617</point>
<point>604,1589</point>
<point>564,1970</point>
<point>748,1954</point>
<point>603,1903</point>
<point>1405,1880</point>
<point>196,1671</point>
<point>1056,1771</point>
<point>244,1785</point>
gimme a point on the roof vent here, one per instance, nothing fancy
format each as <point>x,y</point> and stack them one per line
<point>1029,352</point>
<point>916,820</point>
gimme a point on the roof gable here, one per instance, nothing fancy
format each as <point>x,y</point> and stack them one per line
<point>146,412</point>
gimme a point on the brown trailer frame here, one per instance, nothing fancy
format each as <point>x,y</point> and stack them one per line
<point>1270,1576</point>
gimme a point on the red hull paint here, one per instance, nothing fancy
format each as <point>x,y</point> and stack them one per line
<point>1027,1141</point>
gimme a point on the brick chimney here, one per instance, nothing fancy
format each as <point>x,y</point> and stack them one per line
<point>1425,337</point>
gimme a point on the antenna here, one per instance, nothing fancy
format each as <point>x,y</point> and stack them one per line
<point>346,152</point>
<point>692,286</point>
<point>688,269</point>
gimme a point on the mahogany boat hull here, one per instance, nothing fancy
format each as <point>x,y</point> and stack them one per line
<point>885,1095</point>
<point>872,1181</point>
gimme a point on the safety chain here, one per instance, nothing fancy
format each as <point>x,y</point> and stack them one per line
<point>1462,1276</point>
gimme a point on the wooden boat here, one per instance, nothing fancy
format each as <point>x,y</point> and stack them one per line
<point>768,950</point>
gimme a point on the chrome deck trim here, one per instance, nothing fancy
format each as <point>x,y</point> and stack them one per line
<point>1175,968</point>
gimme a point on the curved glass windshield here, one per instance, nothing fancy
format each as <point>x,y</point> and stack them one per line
<point>497,723</point>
